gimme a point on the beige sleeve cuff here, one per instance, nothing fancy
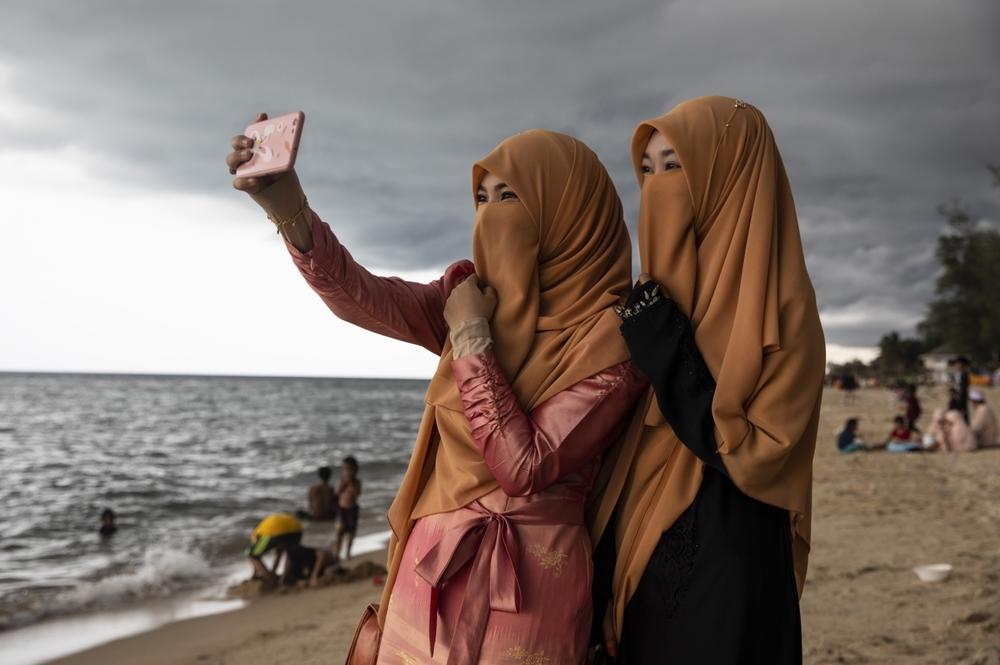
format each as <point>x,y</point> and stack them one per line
<point>471,338</point>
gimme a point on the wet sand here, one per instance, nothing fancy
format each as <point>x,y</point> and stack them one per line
<point>876,516</point>
<point>301,627</point>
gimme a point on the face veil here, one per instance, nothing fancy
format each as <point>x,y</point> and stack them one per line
<point>505,251</point>
<point>667,241</point>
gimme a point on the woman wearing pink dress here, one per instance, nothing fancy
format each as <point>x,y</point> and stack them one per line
<point>489,560</point>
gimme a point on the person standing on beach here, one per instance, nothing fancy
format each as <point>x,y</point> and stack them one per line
<point>954,398</point>
<point>533,385</point>
<point>706,510</point>
<point>849,386</point>
<point>322,497</point>
<point>348,491</point>
<point>912,406</point>
<point>960,401</point>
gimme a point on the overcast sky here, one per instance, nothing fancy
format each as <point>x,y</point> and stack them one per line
<point>124,247</point>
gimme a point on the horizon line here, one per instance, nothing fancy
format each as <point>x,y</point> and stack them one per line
<point>188,375</point>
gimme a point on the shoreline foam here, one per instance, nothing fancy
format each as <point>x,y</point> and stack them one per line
<point>63,636</point>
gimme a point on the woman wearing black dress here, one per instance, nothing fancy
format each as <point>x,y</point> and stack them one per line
<point>704,518</point>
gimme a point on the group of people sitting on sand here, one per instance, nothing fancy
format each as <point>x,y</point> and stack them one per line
<point>967,424</point>
<point>951,430</point>
<point>310,542</point>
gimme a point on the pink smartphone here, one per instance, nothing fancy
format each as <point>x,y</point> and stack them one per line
<point>275,145</point>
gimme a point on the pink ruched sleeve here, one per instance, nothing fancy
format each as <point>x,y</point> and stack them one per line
<point>528,452</point>
<point>394,307</point>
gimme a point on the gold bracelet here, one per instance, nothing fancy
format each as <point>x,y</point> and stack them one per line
<point>282,223</point>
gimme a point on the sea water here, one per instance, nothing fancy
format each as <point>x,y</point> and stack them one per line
<point>189,464</point>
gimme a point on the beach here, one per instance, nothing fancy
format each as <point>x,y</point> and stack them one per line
<point>876,516</point>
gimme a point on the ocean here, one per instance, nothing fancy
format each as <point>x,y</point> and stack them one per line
<point>189,464</point>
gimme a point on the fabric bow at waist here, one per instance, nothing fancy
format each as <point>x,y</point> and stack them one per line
<point>491,540</point>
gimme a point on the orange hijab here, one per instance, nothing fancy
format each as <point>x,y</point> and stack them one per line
<point>721,236</point>
<point>559,260</point>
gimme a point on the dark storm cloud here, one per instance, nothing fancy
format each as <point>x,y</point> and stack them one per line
<point>882,110</point>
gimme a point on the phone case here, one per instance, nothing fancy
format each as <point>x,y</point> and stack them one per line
<point>275,145</point>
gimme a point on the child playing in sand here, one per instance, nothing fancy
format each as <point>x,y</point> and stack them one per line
<point>848,440</point>
<point>900,432</point>
<point>901,438</point>
<point>348,491</point>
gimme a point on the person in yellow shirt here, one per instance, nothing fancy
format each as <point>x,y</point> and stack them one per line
<point>282,533</point>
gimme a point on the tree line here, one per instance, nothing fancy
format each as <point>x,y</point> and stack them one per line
<point>964,316</point>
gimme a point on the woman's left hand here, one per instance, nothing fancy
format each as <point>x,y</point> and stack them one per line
<point>644,295</point>
<point>468,301</point>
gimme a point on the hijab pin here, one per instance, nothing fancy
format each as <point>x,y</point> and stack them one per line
<point>739,104</point>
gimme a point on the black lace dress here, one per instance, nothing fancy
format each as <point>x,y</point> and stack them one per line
<point>720,586</point>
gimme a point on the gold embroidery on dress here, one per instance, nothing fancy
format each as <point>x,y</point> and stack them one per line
<point>521,656</point>
<point>552,560</point>
<point>407,659</point>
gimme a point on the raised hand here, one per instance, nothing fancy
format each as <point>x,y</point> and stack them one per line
<point>241,152</point>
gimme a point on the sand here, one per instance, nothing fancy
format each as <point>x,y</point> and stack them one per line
<point>876,516</point>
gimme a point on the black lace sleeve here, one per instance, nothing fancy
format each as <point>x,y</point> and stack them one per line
<point>662,345</point>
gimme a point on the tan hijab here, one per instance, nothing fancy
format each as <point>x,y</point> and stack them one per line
<point>721,236</point>
<point>959,435</point>
<point>559,261</point>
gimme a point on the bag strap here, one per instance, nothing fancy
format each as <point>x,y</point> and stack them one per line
<point>367,636</point>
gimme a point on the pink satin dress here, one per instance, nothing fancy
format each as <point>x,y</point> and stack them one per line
<point>505,579</point>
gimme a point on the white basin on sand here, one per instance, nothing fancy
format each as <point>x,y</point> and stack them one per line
<point>934,572</point>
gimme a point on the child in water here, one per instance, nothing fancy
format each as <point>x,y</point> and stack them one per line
<point>108,526</point>
<point>348,491</point>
